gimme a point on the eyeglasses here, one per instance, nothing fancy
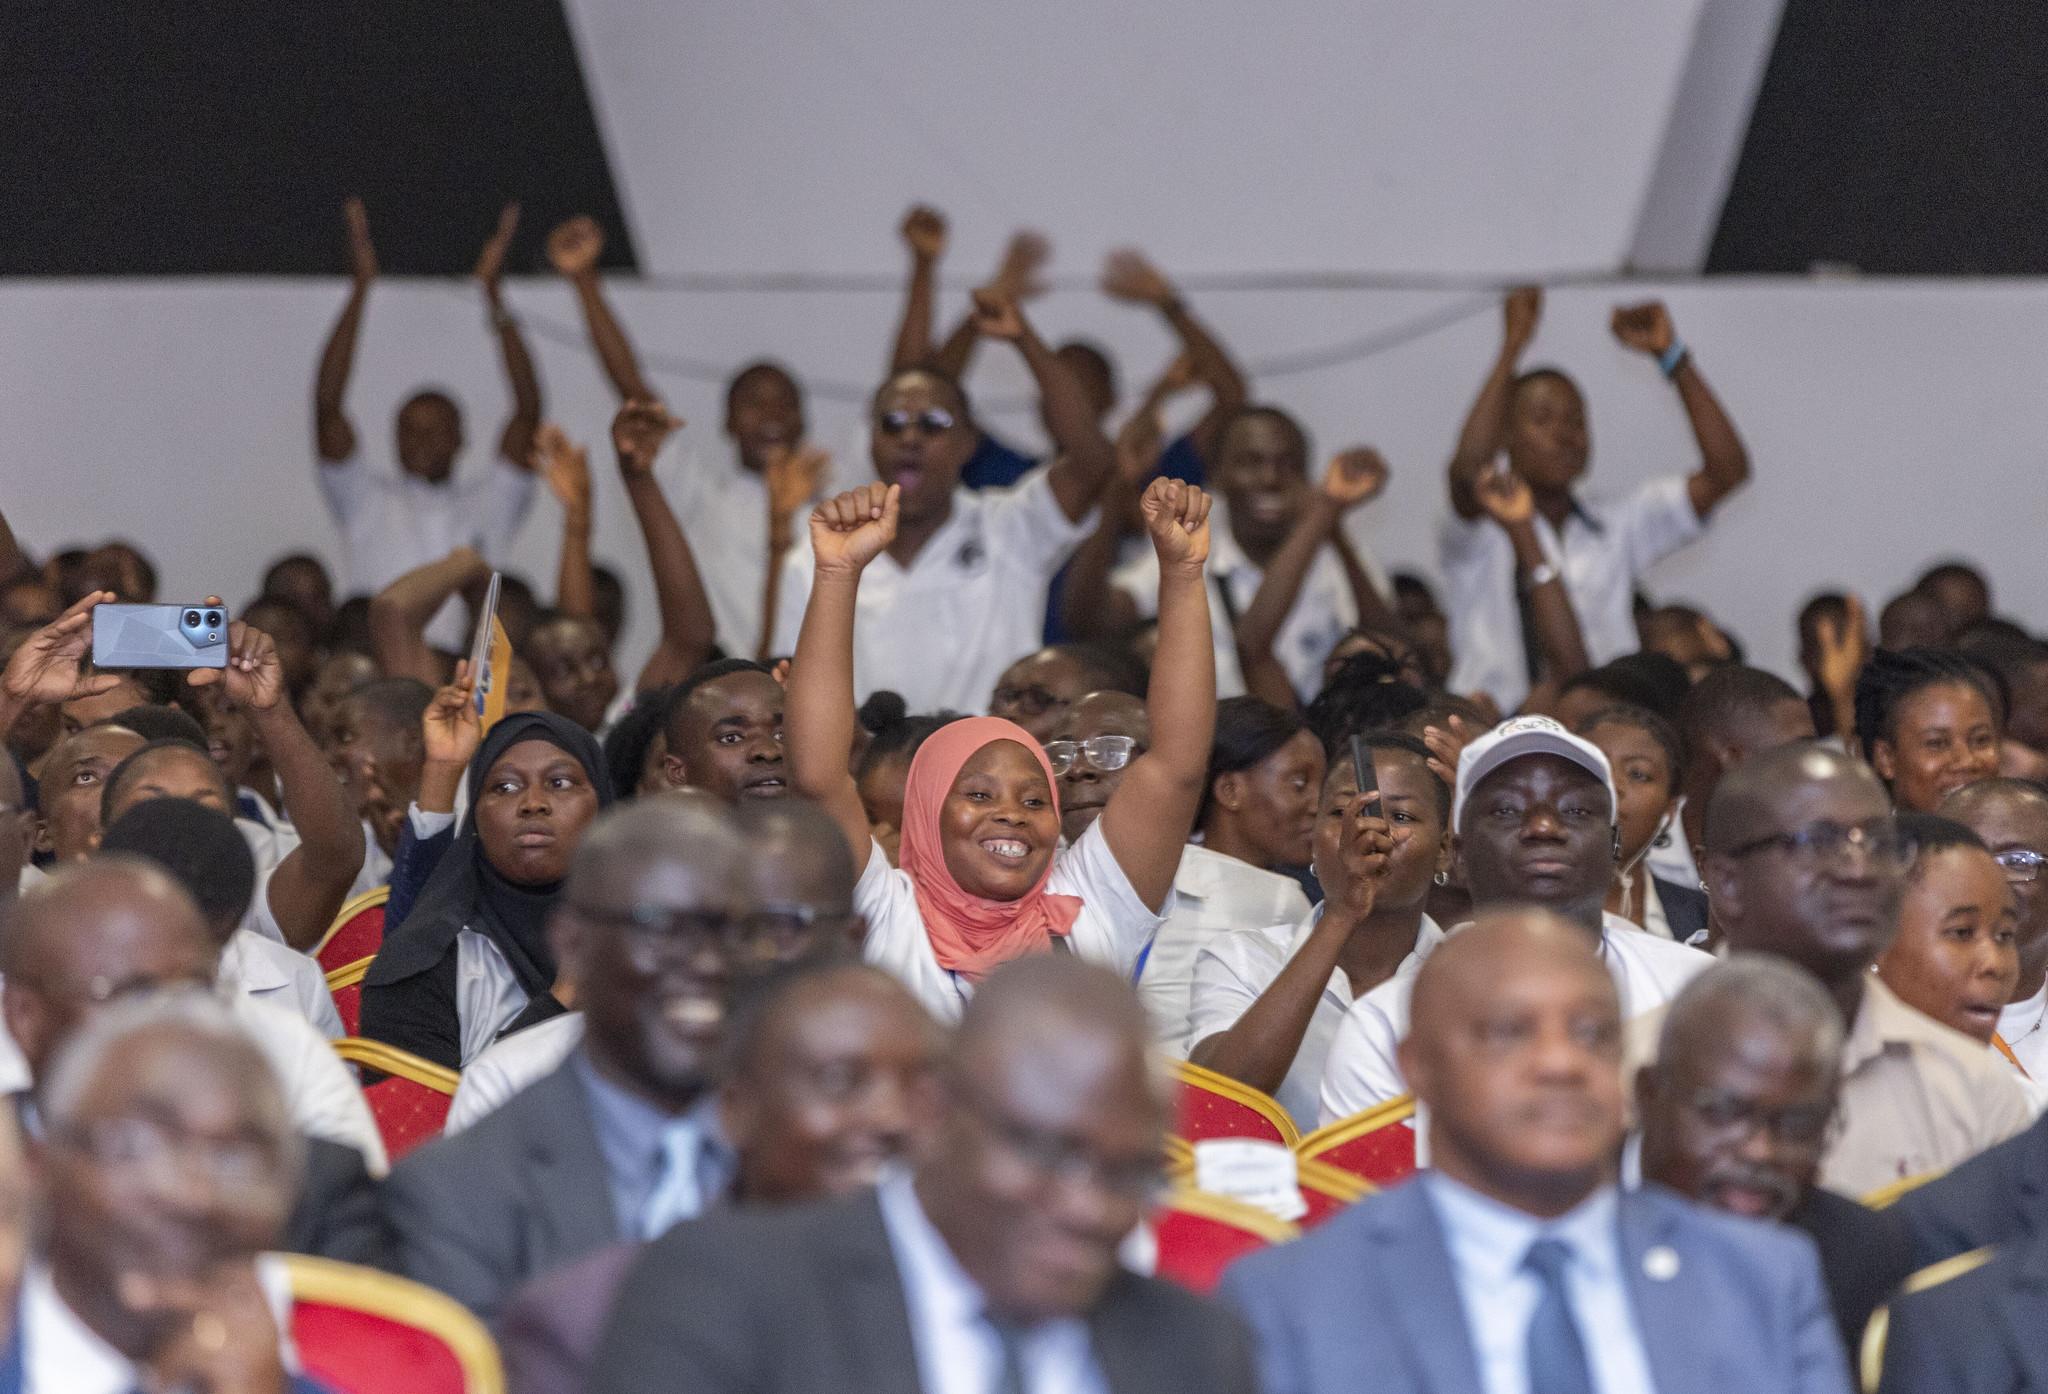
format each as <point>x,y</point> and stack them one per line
<point>1730,1113</point>
<point>1059,1158</point>
<point>2021,864</point>
<point>1029,701</point>
<point>151,1152</point>
<point>659,936</point>
<point>933,421</point>
<point>1823,844</point>
<point>1106,753</point>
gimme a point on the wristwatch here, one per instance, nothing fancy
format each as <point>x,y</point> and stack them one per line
<point>1541,574</point>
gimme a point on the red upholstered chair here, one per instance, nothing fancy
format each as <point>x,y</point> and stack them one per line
<point>357,932</point>
<point>411,1102</point>
<point>345,986</point>
<point>1326,1189</point>
<point>1210,1105</point>
<point>1200,1234</point>
<point>359,1331</point>
<point>1377,1145</point>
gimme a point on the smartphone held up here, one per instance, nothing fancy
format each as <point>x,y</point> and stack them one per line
<point>159,636</point>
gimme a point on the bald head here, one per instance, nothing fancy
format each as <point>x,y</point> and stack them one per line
<point>1029,1006</point>
<point>1753,794</point>
<point>796,856</point>
<point>1746,994</point>
<point>691,832</point>
<point>1470,964</point>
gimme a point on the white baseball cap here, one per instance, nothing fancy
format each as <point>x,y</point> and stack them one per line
<point>1527,735</point>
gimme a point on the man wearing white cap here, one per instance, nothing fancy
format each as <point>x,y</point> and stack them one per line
<point>1533,818</point>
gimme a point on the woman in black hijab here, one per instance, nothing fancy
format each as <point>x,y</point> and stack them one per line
<point>472,956</point>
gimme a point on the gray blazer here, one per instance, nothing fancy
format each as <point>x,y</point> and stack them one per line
<point>798,1300</point>
<point>523,1191</point>
<point>1368,1301</point>
<point>1976,1334</point>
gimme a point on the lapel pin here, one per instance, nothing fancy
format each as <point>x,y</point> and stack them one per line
<point>1661,1264</point>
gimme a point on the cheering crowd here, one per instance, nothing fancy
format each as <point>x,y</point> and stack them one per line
<point>821,998</point>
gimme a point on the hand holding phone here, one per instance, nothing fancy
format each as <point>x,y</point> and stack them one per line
<point>160,636</point>
<point>1362,771</point>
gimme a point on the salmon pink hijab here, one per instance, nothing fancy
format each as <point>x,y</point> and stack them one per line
<point>970,935</point>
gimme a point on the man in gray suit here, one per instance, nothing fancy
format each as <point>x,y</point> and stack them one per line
<point>990,1270</point>
<point>621,1140</point>
<point>1516,1264</point>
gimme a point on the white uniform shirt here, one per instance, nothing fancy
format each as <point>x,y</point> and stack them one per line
<point>1114,924</point>
<point>392,522</point>
<point>1361,1070</point>
<point>1212,895</point>
<point>269,972</point>
<point>2024,1025</point>
<point>970,604</point>
<point>1603,551</point>
<point>487,993</point>
<point>1234,969</point>
<point>508,1066</point>
<point>1324,609</point>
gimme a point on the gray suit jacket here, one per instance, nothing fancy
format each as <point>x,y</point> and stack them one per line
<point>1976,1334</point>
<point>1368,1301</point>
<point>804,1299</point>
<point>523,1191</point>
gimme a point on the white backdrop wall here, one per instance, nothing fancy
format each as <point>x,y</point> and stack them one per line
<point>1890,423</point>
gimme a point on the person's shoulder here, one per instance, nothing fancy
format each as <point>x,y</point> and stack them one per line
<point>1398,1210</point>
<point>1761,1248</point>
<point>1182,1327</point>
<point>281,1030</point>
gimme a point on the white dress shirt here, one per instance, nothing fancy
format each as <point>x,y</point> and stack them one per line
<point>2024,1025</point>
<point>1213,894</point>
<point>1113,926</point>
<point>1234,969</point>
<point>62,1355</point>
<point>1487,1242</point>
<point>509,1065</point>
<point>1603,550</point>
<point>957,1350</point>
<point>269,972</point>
<point>1361,1070</point>
<point>392,522</point>
<point>971,603</point>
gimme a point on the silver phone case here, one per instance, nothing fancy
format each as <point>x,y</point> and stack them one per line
<point>158,636</point>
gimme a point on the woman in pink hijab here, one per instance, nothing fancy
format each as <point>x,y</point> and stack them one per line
<point>983,878</point>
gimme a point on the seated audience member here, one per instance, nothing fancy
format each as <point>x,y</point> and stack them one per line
<point>1257,822</point>
<point>231,741</point>
<point>373,740</point>
<point>1804,861</point>
<point>339,674</point>
<point>636,746</point>
<point>724,732</point>
<point>622,1139</point>
<point>1912,620</point>
<point>1516,1263</point>
<point>471,955</point>
<point>1266,1001</point>
<point>827,1087</point>
<point>208,858</point>
<point>800,874</point>
<point>301,581</point>
<point>983,879</point>
<point>1642,751</point>
<point>1960,590</point>
<point>1535,824</point>
<point>119,923</point>
<point>74,780</point>
<point>960,583</point>
<point>1647,680</point>
<point>1929,724</point>
<point>168,1168</point>
<point>2011,816</point>
<point>574,666</point>
<point>1602,547</point>
<point>882,772</point>
<point>1095,741</point>
<point>992,1266</point>
<point>1736,1111</point>
<point>1730,715</point>
<point>394,520</point>
<point>1037,689</point>
<point>1420,614</point>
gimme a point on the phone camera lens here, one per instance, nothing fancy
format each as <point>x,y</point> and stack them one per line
<point>192,618</point>
<point>213,619</point>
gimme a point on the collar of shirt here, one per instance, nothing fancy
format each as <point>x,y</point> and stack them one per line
<point>1884,1025</point>
<point>246,967</point>
<point>1203,874</point>
<point>1488,1240</point>
<point>630,1132</point>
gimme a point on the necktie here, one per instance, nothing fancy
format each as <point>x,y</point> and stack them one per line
<point>677,1194</point>
<point>1010,1344</point>
<point>1557,1356</point>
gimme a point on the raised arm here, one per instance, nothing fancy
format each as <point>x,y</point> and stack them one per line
<point>1083,460</point>
<point>401,612</point>
<point>687,629</point>
<point>924,232</point>
<point>1506,498</point>
<point>566,467</point>
<point>574,249</point>
<point>792,474</point>
<point>515,443</point>
<point>1355,477</point>
<point>451,731</point>
<point>51,666</point>
<point>1486,425</point>
<point>1017,278</point>
<point>1147,820</point>
<point>333,434</point>
<point>1128,276</point>
<point>313,880</point>
<point>1724,462</point>
<point>847,532</point>
<point>1090,606</point>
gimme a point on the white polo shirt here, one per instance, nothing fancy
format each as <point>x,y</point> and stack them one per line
<point>1212,895</point>
<point>509,1065</point>
<point>971,603</point>
<point>1114,924</point>
<point>1603,550</point>
<point>1361,1070</point>
<point>269,972</point>
<point>392,522</point>
<point>1235,969</point>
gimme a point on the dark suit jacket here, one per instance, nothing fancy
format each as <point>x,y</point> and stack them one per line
<point>550,1329</point>
<point>1998,1195</point>
<point>1864,1255</point>
<point>525,1190</point>
<point>808,1299</point>
<point>1369,1302</point>
<point>1685,908</point>
<point>338,1214</point>
<point>1980,1333</point>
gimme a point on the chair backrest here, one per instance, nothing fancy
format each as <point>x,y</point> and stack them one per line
<point>1326,1189</point>
<point>1200,1234</point>
<point>1377,1145</point>
<point>359,1331</point>
<point>411,1101</point>
<point>1870,1359</point>
<point>345,986</point>
<point>357,931</point>
<point>1889,1193</point>
<point>1208,1105</point>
